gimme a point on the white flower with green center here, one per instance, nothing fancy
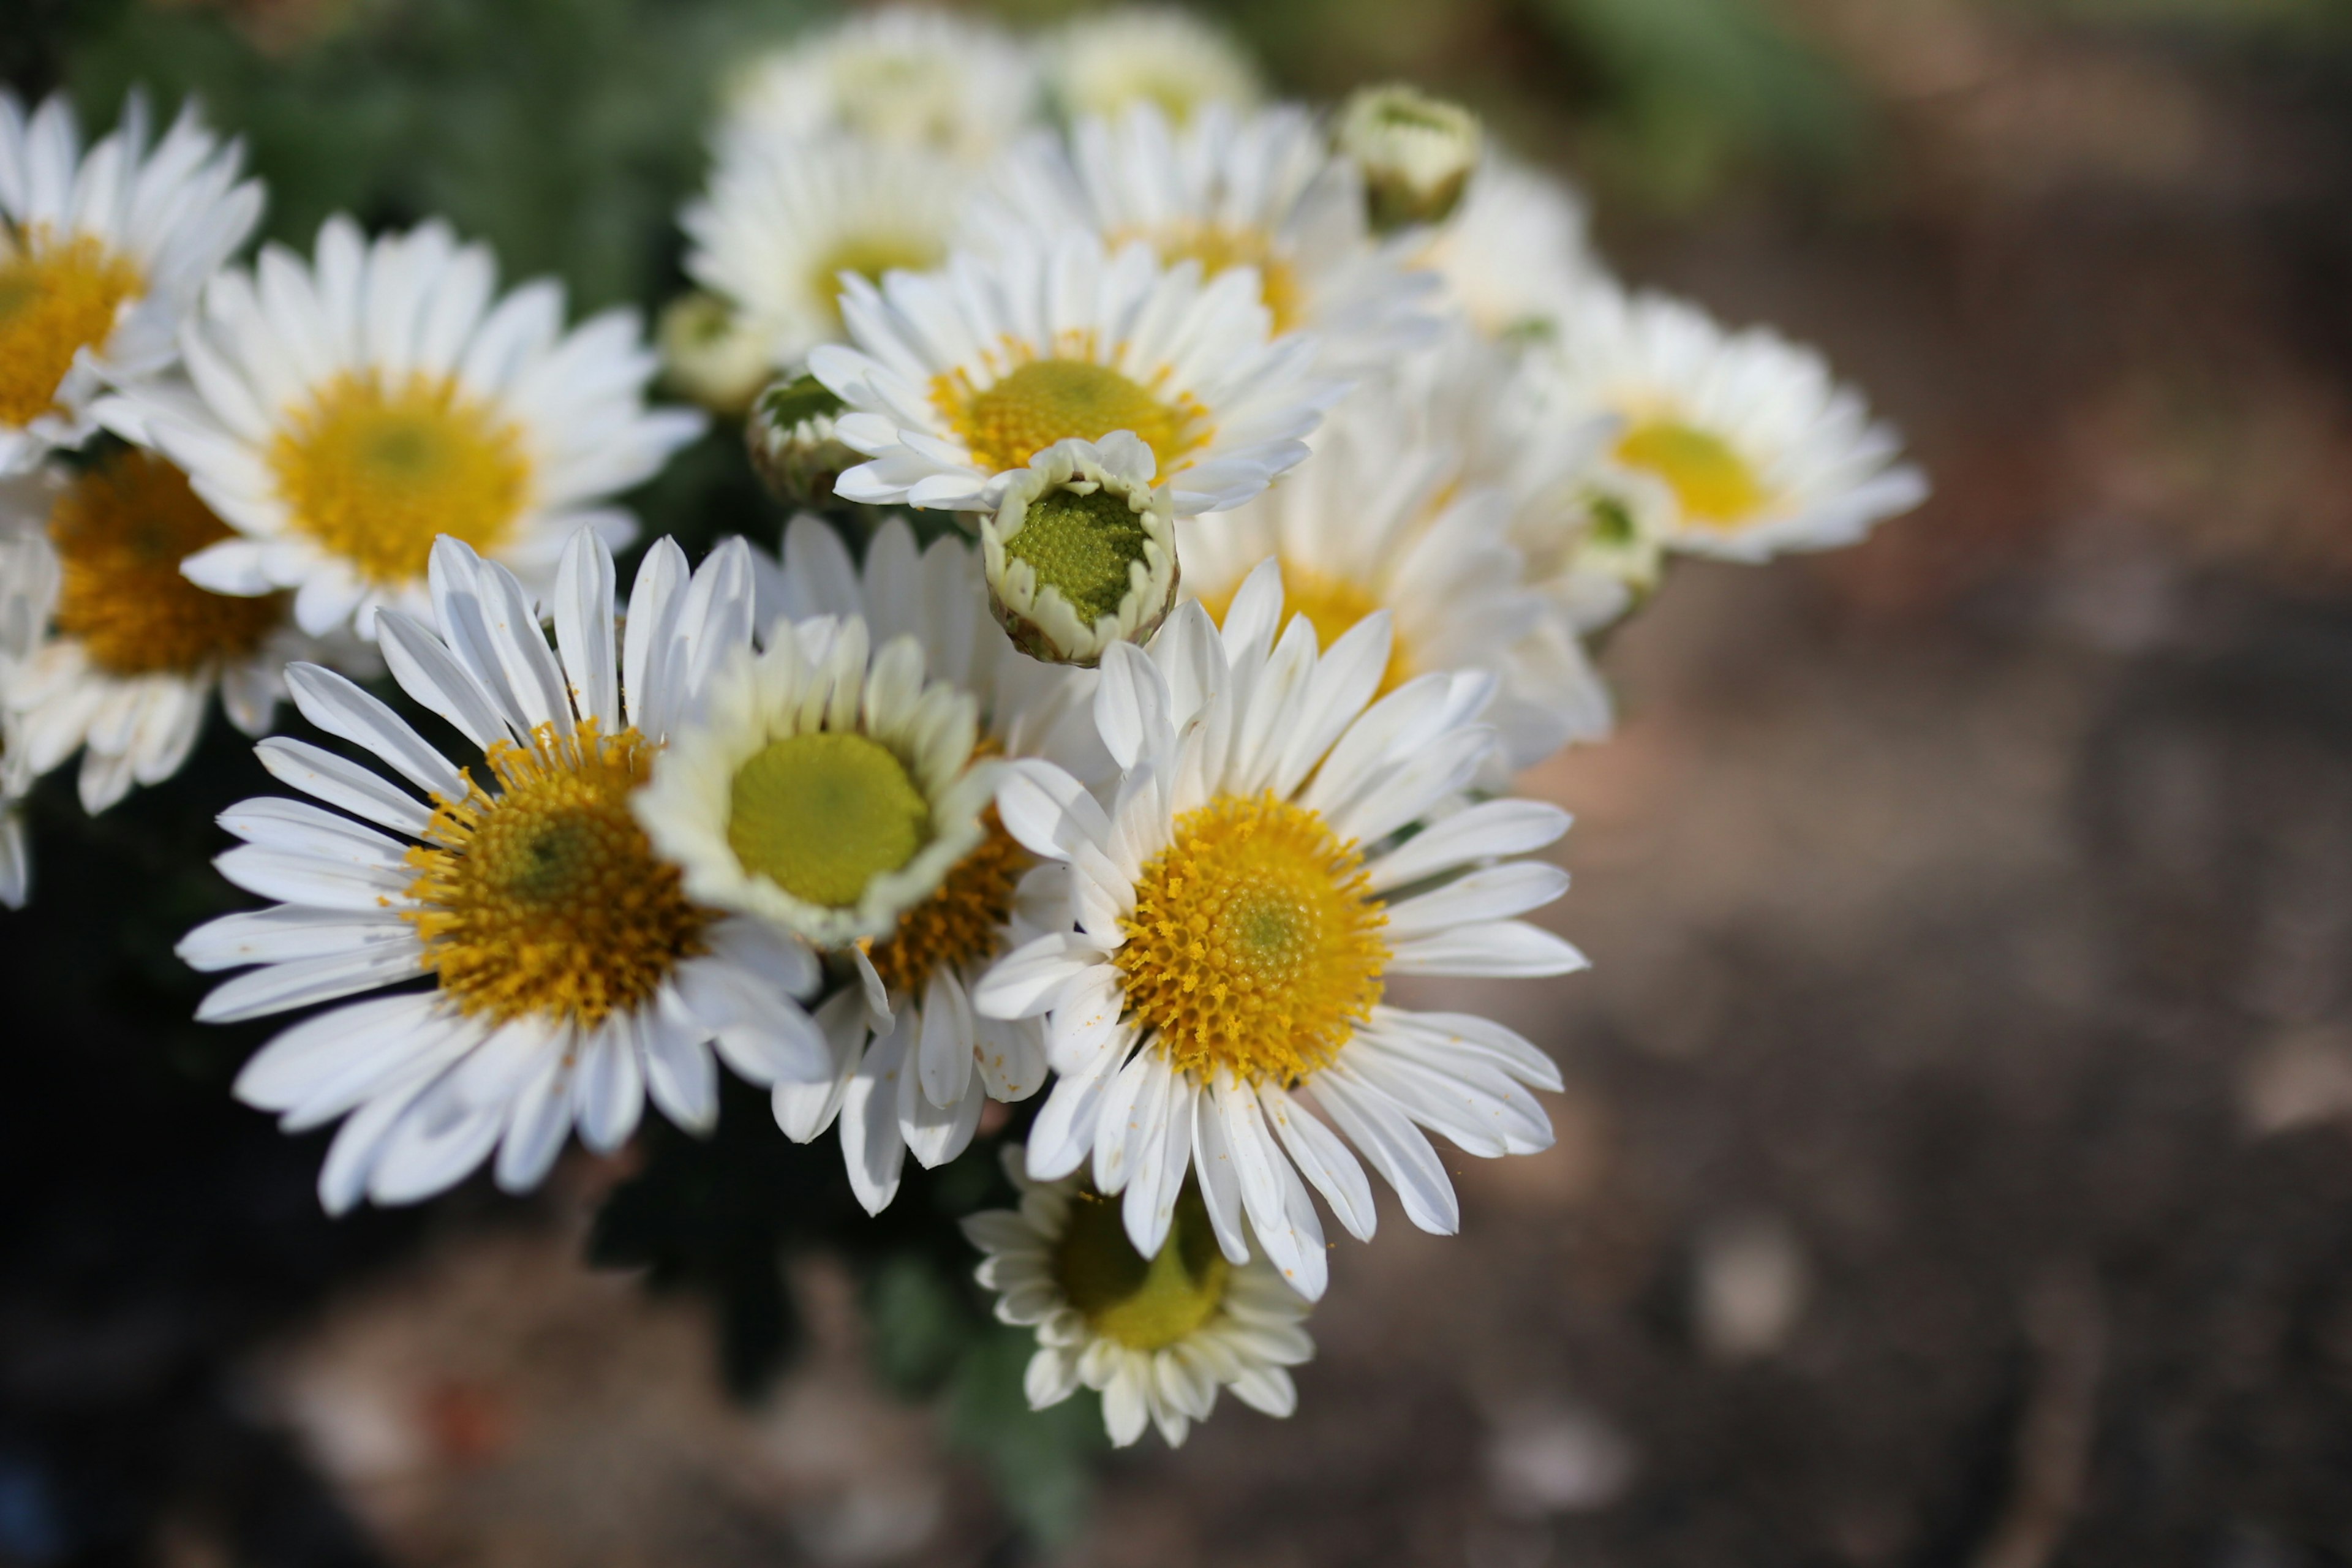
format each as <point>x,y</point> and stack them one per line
<point>1236,910</point>
<point>349,410</point>
<point>1761,448</point>
<point>960,378</point>
<point>1416,152</point>
<point>1261,191</point>
<point>1386,517</point>
<point>1156,1335</point>
<point>1082,552</point>
<point>913,1062</point>
<point>902,75</point>
<point>101,255</point>
<point>784,220</point>
<point>570,976</point>
<point>1165,55</point>
<point>1514,252</point>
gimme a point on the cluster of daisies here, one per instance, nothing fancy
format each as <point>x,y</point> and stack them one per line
<point>1203,510</point>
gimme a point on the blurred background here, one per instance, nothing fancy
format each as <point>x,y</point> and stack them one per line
<point>1957,1162</point>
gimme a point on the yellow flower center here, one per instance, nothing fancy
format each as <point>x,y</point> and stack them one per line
<point>121,531</point>
<point>870,255</point>
<point>962,923</point>
<point>1217,248</point>
<point>1043,401</point>
<point>56,300</point>
<point>372,471</point>
<point>547,898</point>
<point>1144,1304</point>
<point>1715,484</point>
<point>1254,944</point>
<point>1083,546</point>
<point>1331,604</point>
<point>824,812</point>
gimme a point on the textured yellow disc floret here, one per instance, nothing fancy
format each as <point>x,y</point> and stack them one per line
<point>823,814</point>
<point>373,470</point>
<point>1254,944</point>
<point>546,898</point>
<point>120,531</point>
<point>1049,400</point>
<point>1715,484</point>
<point>962,923</point>
<point>869,256</point>
<point>1332,604</point>
<point>1083,546</point>
<point>1216,247</point>
<point>1143,1305</point>
<point>56,300</point>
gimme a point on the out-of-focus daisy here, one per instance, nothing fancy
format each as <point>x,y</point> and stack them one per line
<point>127,652</point>
<point>1228,190</point>
<point>571,975</point>
<point>350,411</point>
<point>913,1062</point>
<point>907,76</point>
<point>1161,54</point>
<point>1514,253</point>
<point>710,353</point>
<point>27,581</point>
<point>1416,152</point>
<point>1762,448</point>
<point>1382,517</point>
<point>960,378</point>
<point>1239,907</point>
<point>1156,1336</point>
<point>101,256</point>
<point>784,220</point>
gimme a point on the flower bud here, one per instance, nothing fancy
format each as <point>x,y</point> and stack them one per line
<point>1081,553</point>
<point>792,441</point>
<point>1416,152</point>
<point>709,354</point>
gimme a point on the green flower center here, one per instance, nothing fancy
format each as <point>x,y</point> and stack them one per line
<point>1145,1306</point>
<point>822,814</point>
<point>1712,481</point>
<point>1082,546</point>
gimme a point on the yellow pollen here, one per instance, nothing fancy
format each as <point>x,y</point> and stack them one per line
<point>824,812</point>
<point>1145,1305</point>
<point>1217,247</point>
<point>373,470</point>
<point>962,923</point>
<point>547,898</point>
<point>121,529</point>
<point>56,298</point>
<point>869,256</point>
<point>1254,944</point>
<point>1715,484</point>
<point>1042,401</point>
<point>1332,604</point>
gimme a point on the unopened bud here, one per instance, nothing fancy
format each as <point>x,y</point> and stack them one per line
<point>708,354</point>
<point>1416,152</point>
<point>792,441</point>
<point>1081,553</point>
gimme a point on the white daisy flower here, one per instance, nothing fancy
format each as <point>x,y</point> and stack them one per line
<point>1762,448</point>
<point>907,76</point>
<point>350,412</point>
<point>126,652</point>
<point>1228,190</point>
<point>960,378</point>
<point>783,220</point>
<point>913,1062</point>
<point>571,974</point>
<point>101,256</point>
<point>1385,517</point>
<point>1161,54</point>
<point>1515,252</point>
<point>1238,908</point>
<point>1156,1336</point>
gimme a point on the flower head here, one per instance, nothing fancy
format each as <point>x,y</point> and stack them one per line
<point>793,445</point>
<point>1514,251</point>
<point>905,76</point>
<point>1082,550</point>
<point>1161,54</point>
<point>1416,152</point>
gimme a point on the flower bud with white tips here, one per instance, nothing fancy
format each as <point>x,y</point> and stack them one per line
<point>1416,152</point>
<point>1081,553</point>
<point>792,443</point>
<point>710,355</point>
